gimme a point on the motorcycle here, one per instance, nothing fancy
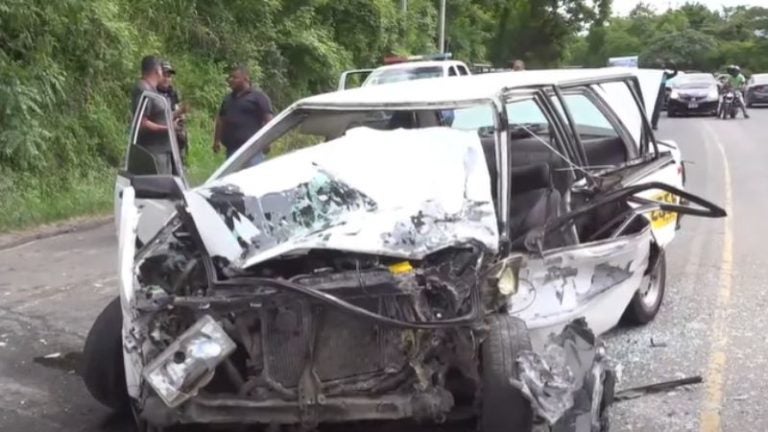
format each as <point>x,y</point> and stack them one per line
<point>727,104</point>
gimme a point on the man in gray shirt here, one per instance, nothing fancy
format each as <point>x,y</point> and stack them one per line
<point>153,134</point>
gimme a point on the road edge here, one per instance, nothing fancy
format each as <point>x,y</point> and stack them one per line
<point>14,239</point>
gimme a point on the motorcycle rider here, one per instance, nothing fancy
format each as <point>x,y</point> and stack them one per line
<point>738,82</point>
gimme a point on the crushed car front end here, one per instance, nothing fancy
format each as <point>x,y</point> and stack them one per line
<point>326,337</point>
<point>309,301</point>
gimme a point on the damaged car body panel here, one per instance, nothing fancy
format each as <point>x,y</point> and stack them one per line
<point>594,281</point>
<point>397,264</point>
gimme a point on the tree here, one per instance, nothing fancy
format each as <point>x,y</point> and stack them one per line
<point>689,49</point>
<point>537,31</point>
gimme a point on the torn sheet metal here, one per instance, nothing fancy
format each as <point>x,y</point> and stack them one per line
<point>404,193</point>
<point>569,384</point>
<point>592,280</point>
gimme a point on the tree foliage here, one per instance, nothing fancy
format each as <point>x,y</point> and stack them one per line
<point>67,66</point>
<point>693,36</point>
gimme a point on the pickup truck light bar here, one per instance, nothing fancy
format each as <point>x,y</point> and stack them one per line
<point>426,57</point>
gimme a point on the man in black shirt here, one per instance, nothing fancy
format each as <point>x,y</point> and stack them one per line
<point>166,88</point>
<point>153,126</point>
<point>242,113</point>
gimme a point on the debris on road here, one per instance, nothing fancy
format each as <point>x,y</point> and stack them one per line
<point>636,392</point>
<point>68,362</point>
<point>657,344</point>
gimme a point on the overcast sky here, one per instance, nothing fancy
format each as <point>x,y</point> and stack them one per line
<point>622,7</point>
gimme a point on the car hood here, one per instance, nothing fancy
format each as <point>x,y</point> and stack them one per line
<point>697,90</point>
<point>402,193</point>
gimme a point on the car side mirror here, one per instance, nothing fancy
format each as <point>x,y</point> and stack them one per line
<point>157,187</point>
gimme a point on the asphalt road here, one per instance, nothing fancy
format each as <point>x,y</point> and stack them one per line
<point>712,323</point>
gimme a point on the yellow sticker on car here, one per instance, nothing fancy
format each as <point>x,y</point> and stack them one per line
<point>660,218</point>
<point>401,268</point>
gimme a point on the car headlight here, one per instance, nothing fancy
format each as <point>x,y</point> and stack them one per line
<point>713,94</point>
<point>187,365</point>
<point>674,95</point>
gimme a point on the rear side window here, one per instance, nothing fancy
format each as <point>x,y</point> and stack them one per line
<point>603,143</point>
<point>452,71</point>
<point>462,70</point>
<point>588,118</point>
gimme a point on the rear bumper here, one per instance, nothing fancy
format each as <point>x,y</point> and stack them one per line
<point>223,410</point>
<point>757,98</point>
<point>683,107</point>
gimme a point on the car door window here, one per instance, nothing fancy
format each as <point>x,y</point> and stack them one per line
<point>452,71</point>
<point>462,70</point>
<point>628,112</point>
<point>603,141</point>
<point>151,152</point>
<point>540,171</point>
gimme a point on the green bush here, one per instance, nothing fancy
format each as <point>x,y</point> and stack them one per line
<point>67,66</point>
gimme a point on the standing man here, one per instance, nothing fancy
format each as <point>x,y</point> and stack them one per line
<point>243,112</point>
<point>153,134</point>
<point>177,108</point>
<point>662,94</point>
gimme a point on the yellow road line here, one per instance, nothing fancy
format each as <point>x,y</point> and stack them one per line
<point>715,379</point>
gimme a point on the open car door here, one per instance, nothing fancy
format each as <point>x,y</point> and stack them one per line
<point>353,78</point>
<point>656,160</point>
<point>149,154</point>
<point>611,128</point>
<point>612,269</point>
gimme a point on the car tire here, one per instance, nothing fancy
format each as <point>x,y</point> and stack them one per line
<point>102,368</point>
<point>646,302</point>
<point>504,408</point>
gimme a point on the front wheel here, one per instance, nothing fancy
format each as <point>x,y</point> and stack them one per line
<point>646,303</point>
<point>504,407</point>
<point>103,370</point>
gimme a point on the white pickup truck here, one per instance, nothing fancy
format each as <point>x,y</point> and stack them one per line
<point>398,69</point>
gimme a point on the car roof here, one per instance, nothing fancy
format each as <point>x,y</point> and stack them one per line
<point>459,89</point>
<point>761,76</point>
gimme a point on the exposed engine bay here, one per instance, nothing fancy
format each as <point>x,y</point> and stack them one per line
<point>326,325</point>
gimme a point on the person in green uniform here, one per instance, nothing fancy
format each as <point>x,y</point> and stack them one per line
<point>737,81</point>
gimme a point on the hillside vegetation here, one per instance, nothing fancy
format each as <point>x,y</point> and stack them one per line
<point>66,68</point>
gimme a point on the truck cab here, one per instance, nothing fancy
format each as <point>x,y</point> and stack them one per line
<point>398,68</point>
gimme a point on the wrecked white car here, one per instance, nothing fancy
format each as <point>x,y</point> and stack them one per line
<point>398,263</point>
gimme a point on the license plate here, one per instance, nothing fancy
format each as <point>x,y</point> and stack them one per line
<point>693,105</point>
<point>659,218</point>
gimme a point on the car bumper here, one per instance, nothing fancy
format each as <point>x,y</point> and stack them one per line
<point>211,409</point>
<point>759,98</point>
<point>689,107</point>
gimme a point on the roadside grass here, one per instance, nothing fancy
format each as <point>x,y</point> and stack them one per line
<point>30,199</point>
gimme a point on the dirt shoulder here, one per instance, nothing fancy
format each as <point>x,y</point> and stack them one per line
<point>15,238</point>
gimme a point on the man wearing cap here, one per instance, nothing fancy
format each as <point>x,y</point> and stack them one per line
<point>166,88</point>
<point>242,113</point>
<point>153,134</point>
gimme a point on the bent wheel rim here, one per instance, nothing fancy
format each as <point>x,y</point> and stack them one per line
<point>651,292</point>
